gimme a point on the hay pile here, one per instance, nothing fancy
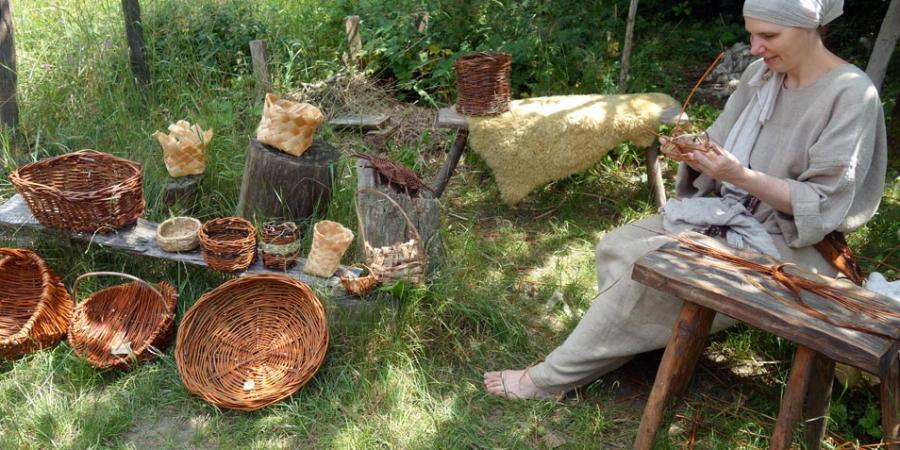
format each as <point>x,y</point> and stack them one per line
<point>545,139</point>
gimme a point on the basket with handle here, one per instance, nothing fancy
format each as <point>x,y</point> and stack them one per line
<point>34,305</point>
<point>279,245</point>
<point>359,285</point>
<point>482,83</point>
<point>122,324</point>
<point>402,260</point>
<point>228,243</point>
<point>85,191</point>
<point>252,341</point>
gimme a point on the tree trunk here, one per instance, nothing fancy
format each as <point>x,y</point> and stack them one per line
<point>884,44</point>
<point>9,108</point>
<point>259,53</point>
<point>134,31</point>
<point>629,42</point>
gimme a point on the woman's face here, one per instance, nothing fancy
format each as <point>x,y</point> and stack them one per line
<point>782,48</point>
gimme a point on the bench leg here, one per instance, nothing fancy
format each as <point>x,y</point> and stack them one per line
<point>654,174</point>
<point>818,398</point>
<point>890,405</point>
<point>450,163</point>
<point>676,368</point>
<point>792,401</point>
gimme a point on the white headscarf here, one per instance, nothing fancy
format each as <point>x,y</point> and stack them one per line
<point>795,13</point>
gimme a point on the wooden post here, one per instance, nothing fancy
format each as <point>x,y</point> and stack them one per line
<point>354,41</point>
<point>818,398</point>
<point>449,166</point>
<point>629,41</point>
<point>884,44</point>
<point>259,53</point>
<point>9,107</point>
<point>654,174</point>
<point>134,31</point>
<point>890,404</point>
<point>277,185</point>
<point>792,402</point>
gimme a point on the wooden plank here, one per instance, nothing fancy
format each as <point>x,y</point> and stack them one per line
<point>9,107</point>
<point>748,296</point>
<point>449,118</point>
<point>359,122</point>
<point>134,32</point>
<point>140,239</point>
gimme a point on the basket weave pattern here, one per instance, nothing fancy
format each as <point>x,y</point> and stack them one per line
<point>228,243</point>
<point>252,341</point>
<point>34,305</point>
<point>86,191</point>
<point>178,234</point>
<point>281,246</point>
<point>482,83</point>
<point>118,325</point>
<point>330,241</point>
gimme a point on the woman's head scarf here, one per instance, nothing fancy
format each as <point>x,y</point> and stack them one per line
<point>795,13</point>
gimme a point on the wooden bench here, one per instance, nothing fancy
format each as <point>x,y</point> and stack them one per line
<point>709,286</point>
<point>448,118</point>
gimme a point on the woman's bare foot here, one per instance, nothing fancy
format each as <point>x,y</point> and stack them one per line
<point>515,384</point>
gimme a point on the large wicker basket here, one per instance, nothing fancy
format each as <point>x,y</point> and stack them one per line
<point>34,305</point>
<point>252,341</point>
<point>482,83</point>
<point>121,325</point>
<point>228,243</point>
<point>85,191</point>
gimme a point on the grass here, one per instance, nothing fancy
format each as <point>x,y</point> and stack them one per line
<point>405,373</point>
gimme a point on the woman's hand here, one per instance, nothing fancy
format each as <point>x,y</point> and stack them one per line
<point>717,163</point>
<point>669,146</point>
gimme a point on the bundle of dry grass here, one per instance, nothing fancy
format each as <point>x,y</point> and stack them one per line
<point>544,139</point>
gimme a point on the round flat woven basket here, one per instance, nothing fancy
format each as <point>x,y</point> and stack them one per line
<point>280,245</point>
<point>86,191</point>
<point>34,305</point>
<point>178,234</point>
<point>482,83</point>
<point>228,243</point>
<point>252,341</point>
<point>123,324</point>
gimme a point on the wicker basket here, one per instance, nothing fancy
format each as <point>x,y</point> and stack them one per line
<point>403,260</point>
<point>280,245</point>
<point>178,234</point>
<point>482,83</point>
<point>330,241</point>
<point>34,305</point>
<point>228,243</point>
<point>85,191</point>
<point>121,325</point>
<point>252,341</point>
<point>359,285</point>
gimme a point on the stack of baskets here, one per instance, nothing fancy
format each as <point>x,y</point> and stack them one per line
<point>34,305</point>
<point>482,83</point>
<point>85,191</point>
<point>228,243</point>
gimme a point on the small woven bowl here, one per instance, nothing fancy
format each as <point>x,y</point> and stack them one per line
<point>178,234</point>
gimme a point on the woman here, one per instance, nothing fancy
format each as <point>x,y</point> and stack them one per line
<point>804,134</point>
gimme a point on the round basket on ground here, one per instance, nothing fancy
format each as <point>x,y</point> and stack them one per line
<point>280,245</point>
<point>123,324</point>
<point>85,191</point>
<point>178,234</point>
<point>482,83</point>
<point>252,341</point>
<point>34,305</point>
<point>228,243</point>
<point>361,284</point>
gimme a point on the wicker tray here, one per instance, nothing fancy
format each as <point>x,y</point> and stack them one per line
<point>34,305</point>
<point>482,83</point>
<point>86,191</point>
<point>228,243</point>
<point>120,325</point>
<point>252,341</point>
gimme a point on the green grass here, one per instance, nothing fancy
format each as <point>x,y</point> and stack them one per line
<point>405,373</point>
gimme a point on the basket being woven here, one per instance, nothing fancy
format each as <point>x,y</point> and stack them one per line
<point>402,260</point>
<point>252,341</point>
<point>34,305</point>
<point>123,324</point>
<point>482,83</point>
<point>228,243</point>
<point>86,191</point>
<point>280,245</point>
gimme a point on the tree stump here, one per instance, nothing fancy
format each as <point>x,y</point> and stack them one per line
<point>277,185</point>
<point>182,191</point>
<point>385,225</point>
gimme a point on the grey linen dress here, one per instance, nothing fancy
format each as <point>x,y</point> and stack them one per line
<point>828,140</point>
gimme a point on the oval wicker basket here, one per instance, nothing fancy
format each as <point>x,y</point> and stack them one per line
<point>123,324</point>
<point>86,191</point>
<point>280,245</point>
<point>228,243</point>
<point>482,83</point>
<point>252,341</point>
<point>34,305</point>
<point>178,234</point>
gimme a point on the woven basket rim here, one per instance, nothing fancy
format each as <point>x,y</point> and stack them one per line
<point>20,176</point>
<point>163,231</point>
<point>47,285</point>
